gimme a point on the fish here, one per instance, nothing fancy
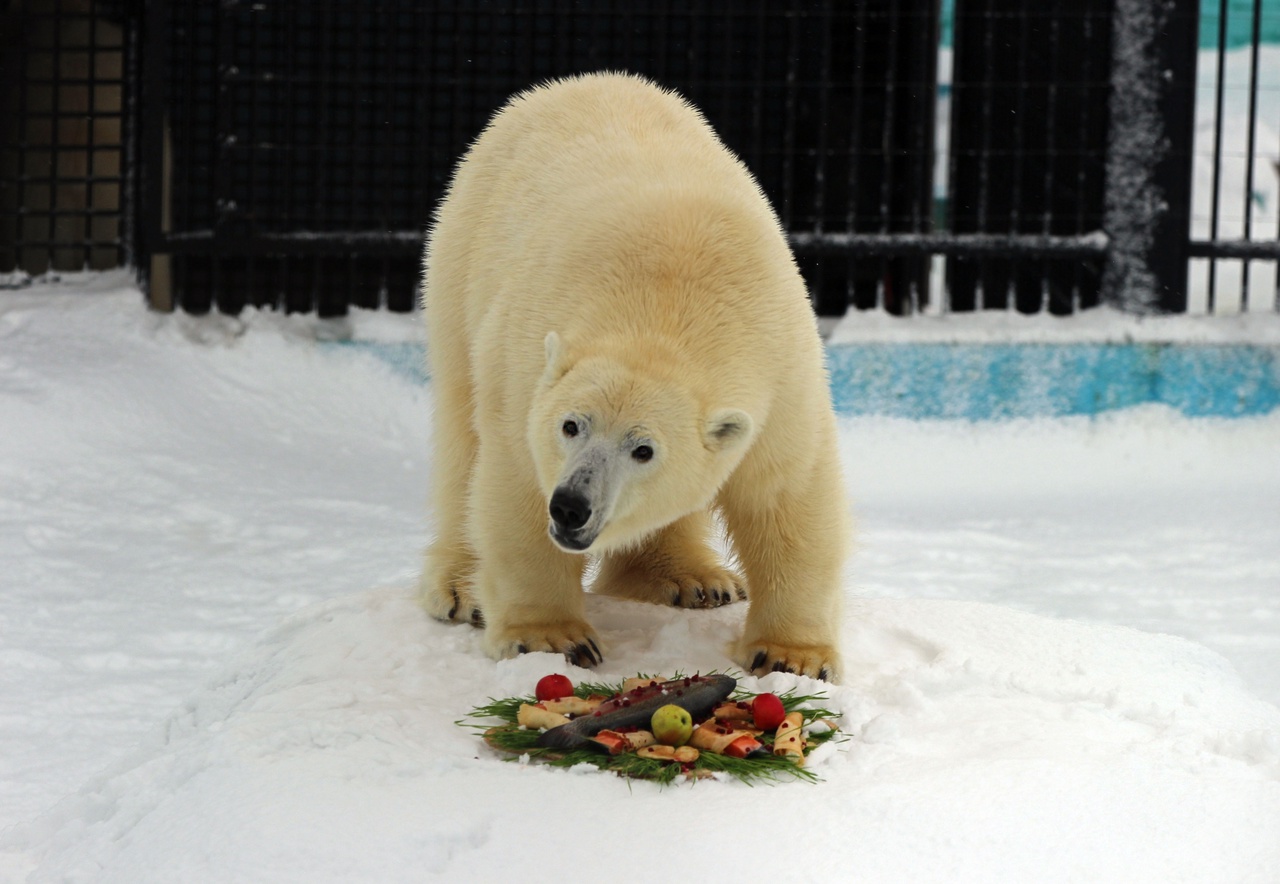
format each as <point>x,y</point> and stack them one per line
<point>698,694</point>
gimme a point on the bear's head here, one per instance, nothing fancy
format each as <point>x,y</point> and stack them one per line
<point>623,445</point>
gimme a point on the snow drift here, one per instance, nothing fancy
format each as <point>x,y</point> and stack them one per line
<point>197,682</point>
<point>981,741</point>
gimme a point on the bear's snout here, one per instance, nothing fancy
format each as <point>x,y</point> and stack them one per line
<point>569,510</point>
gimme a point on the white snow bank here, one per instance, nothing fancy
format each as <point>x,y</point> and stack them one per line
<point>172,489</point>
<point>985,744</point>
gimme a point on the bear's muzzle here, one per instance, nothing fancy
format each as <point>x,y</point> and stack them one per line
<point>569,511</point>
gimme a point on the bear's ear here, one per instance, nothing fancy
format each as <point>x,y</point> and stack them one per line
<point>726,429</point>
<point>557,359</point>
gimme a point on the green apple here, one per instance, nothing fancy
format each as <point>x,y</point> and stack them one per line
<point>671,725</point>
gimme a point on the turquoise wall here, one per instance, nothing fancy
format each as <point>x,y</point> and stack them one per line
<point>994,381</point>
<point>1003,380</point>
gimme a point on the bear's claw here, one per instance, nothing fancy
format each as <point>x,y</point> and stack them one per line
<point>656,578</point>
<point>453,605</point>
<point>578,645</point>
<point>706,591</point>
<point>463,610</point>
<point>816,662</point>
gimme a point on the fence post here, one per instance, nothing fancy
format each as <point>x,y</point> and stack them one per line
<point>151,232</point>
<point>1152,130</point>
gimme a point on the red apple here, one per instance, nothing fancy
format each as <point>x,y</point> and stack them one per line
<point>553,687</point>
<point>767,711</point>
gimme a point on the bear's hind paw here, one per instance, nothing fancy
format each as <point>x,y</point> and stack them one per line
<point>708,587</point>
<point>819,661</point>
<point>711,590</point>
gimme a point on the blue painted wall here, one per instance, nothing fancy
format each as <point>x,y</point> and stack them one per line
<point>1006,380</point>
<point>991,381</point>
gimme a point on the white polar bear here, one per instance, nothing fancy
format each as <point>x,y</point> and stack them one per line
<point>620,344</point>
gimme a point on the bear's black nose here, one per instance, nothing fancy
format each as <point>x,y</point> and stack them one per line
<point>569,511</point>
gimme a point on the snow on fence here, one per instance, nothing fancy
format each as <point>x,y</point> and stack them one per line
<point>925,157</point>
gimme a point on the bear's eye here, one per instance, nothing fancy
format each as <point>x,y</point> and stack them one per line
<point>642,453</point>
<point>569,428</point>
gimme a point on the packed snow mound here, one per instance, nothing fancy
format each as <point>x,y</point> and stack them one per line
<point>983,743</point>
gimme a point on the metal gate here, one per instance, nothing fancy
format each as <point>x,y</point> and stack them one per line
<point>924,156</point>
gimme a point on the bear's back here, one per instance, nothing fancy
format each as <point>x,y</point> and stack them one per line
<point>603,206</point>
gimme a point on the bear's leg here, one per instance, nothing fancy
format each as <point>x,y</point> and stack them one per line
<point>791,542</point>
<point>676,566</point>
<point>450,563</point>
<point>529,589</point>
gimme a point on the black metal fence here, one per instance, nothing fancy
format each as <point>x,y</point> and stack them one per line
<point>1038,157</point>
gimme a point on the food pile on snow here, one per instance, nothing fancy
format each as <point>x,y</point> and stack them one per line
<point>651,728</point>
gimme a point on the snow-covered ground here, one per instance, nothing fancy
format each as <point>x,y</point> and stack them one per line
<point>1062,639</point>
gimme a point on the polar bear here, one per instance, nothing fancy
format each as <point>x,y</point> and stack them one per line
<point>620,346</point>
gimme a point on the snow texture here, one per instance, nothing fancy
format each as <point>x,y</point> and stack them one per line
<point>1062,638</point>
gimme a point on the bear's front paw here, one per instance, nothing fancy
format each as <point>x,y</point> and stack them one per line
<point>575,639</point>
<point>816,661</point>
<point>452,602</point>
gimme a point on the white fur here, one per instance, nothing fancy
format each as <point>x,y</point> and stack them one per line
<point>602,258</point>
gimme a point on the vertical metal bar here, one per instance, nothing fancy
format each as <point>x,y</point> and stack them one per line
<point>855,129</point>
<point>694,16</point>
<point>1251,144</point>
<point>890,119</point>
<point>824,119</point>
<point>953,267</point>
<point>89,145</point>
<point>285,20</point>
<point>888,139</point>
<point>129,87</point>
<point>1216,189</point>
<point>1089,73</point>
<point>188,141</point>
<point>922,85</point>
<point>186,136</point>
<point>386,106</point>
<point>152,249</point>
<point>1019,121</point>
<point>789,126</point>
<point>1051,115</point>
<point>1020,147</point>
<point>757,94</point>
<point>823,275</point>
<point>1051,136</point>
<point>224,137</point>
<point>21,230</point>
<point>941,162</point>
<point>322,73</point>
<point>984,150</point>
<point>255,281</point>
<point>726,90</point>
<point>55,141</point>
